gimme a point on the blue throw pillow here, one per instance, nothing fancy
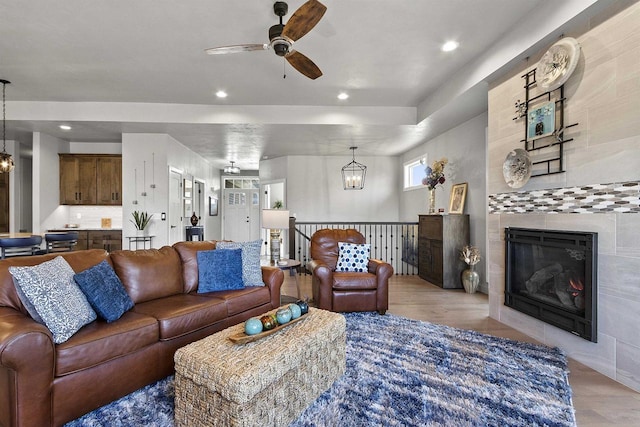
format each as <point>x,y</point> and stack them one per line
<point>251,270</point>
<point>219,270</point>
<point>104,291</point>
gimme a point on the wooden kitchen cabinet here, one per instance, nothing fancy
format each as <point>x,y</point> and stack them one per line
<point>109,240</point>
<point>77,180</point>
<point>440,240</point>
<point>90,179</point>
<point>109,180</point>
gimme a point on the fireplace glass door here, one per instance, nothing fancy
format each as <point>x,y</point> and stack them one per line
<point>551,275</point>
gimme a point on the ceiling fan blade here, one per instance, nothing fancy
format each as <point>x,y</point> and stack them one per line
<point>303,64</point>
<point>304,19</point>
<point>236,48</point>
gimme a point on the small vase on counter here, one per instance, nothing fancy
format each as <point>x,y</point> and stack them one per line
<point>194,219</point>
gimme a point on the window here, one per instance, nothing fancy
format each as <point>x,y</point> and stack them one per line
<point>414,172</point>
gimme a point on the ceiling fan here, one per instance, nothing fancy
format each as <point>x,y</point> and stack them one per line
<point>282,37</point>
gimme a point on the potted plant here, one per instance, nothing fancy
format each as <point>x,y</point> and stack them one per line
<point>141,220</point>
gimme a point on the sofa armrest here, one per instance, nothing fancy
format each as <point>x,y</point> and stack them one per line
<point>322,286</point>
<point>27,356</point>
<point>273,277</point>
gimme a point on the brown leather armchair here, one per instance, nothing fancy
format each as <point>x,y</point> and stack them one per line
<point>346,291</point>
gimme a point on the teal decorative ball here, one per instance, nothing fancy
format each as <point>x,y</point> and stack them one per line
<point>283,315</point>
<point>295,311</point>
<point>252,326</point>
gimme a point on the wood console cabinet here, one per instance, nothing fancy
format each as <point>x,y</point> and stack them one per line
<point>90,179</point>
<point>440,240</point>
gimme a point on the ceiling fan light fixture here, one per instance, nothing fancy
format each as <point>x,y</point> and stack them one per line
<point>6,161</point>
<point>231,169</point>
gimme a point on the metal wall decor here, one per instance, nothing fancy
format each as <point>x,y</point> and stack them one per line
<point>543,127</point>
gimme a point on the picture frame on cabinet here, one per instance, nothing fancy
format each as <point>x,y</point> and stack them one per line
<point>213,206</point>
<point>458,197</point>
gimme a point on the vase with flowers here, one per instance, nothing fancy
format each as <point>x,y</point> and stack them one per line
<point>470,278</point>
<point>435,176</point>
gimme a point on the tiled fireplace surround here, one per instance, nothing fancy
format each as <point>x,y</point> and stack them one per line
<point>611,210</point>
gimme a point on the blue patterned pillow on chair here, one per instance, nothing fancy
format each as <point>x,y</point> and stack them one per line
<point>353,257</point>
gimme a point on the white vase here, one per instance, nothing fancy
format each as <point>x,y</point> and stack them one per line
<point>432,201</point>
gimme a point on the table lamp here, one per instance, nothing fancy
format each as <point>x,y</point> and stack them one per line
<point>275,220</point>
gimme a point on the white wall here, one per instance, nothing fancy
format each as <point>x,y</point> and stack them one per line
<point>465,148</point>
<point>315,192</point>
<point>146,159</point>
<point>47,211</point>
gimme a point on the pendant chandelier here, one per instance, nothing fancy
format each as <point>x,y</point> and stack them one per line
<point>6,161</point>
<point>353,173</point>
<point>231,169</point>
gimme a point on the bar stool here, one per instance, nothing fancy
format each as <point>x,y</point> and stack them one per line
<point>61,242</point>
<point>19,246</point>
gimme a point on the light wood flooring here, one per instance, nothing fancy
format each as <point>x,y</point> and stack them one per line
<point>598,400</point>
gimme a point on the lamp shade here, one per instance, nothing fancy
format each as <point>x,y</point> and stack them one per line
<point>275,219</point>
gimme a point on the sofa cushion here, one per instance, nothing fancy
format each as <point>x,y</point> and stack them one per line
<point>353,257</point>
<point>251,271</point>
<point>219,270</point>
<point>100,342</point>
<point>241,300</point>
<point>188,252</point>
<point>104,291</point>
<point>179,315</point>
<point>56,297</point>
<point>345,281</point>
<point>150,273</point>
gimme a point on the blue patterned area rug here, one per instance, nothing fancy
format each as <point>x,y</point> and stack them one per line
<point>402,372</point>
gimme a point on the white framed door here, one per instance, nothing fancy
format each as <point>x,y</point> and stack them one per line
<point>241,221</point>
<point>176,230</point>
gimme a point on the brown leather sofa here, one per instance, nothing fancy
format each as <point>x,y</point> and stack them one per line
<point>346,291</point>
<point>43,384</point>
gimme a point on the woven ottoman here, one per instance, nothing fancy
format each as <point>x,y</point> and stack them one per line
<point>268,382</point>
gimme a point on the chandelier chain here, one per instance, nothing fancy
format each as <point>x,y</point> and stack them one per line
<point>4,116</point>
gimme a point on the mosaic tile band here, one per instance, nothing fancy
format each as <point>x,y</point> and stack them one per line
<point>597,198</point>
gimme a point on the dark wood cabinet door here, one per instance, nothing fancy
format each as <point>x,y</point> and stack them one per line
<point>87,180</point>
<point>109,180</point>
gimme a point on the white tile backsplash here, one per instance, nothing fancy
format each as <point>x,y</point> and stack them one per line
<point>91,216</point>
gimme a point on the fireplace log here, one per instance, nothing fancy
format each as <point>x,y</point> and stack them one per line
<point>538,279</point>
<point>561,287</point>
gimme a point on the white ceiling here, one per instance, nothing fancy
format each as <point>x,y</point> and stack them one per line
<point>113,66</point>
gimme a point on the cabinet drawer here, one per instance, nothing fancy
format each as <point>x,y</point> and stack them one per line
<point>108,240</point>
<point>430,227</point>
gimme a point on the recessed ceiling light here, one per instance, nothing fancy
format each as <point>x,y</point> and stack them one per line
<point>343,95</point>
<point>221,94</point>
<point>65,127</point>
<point>450,45</point>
